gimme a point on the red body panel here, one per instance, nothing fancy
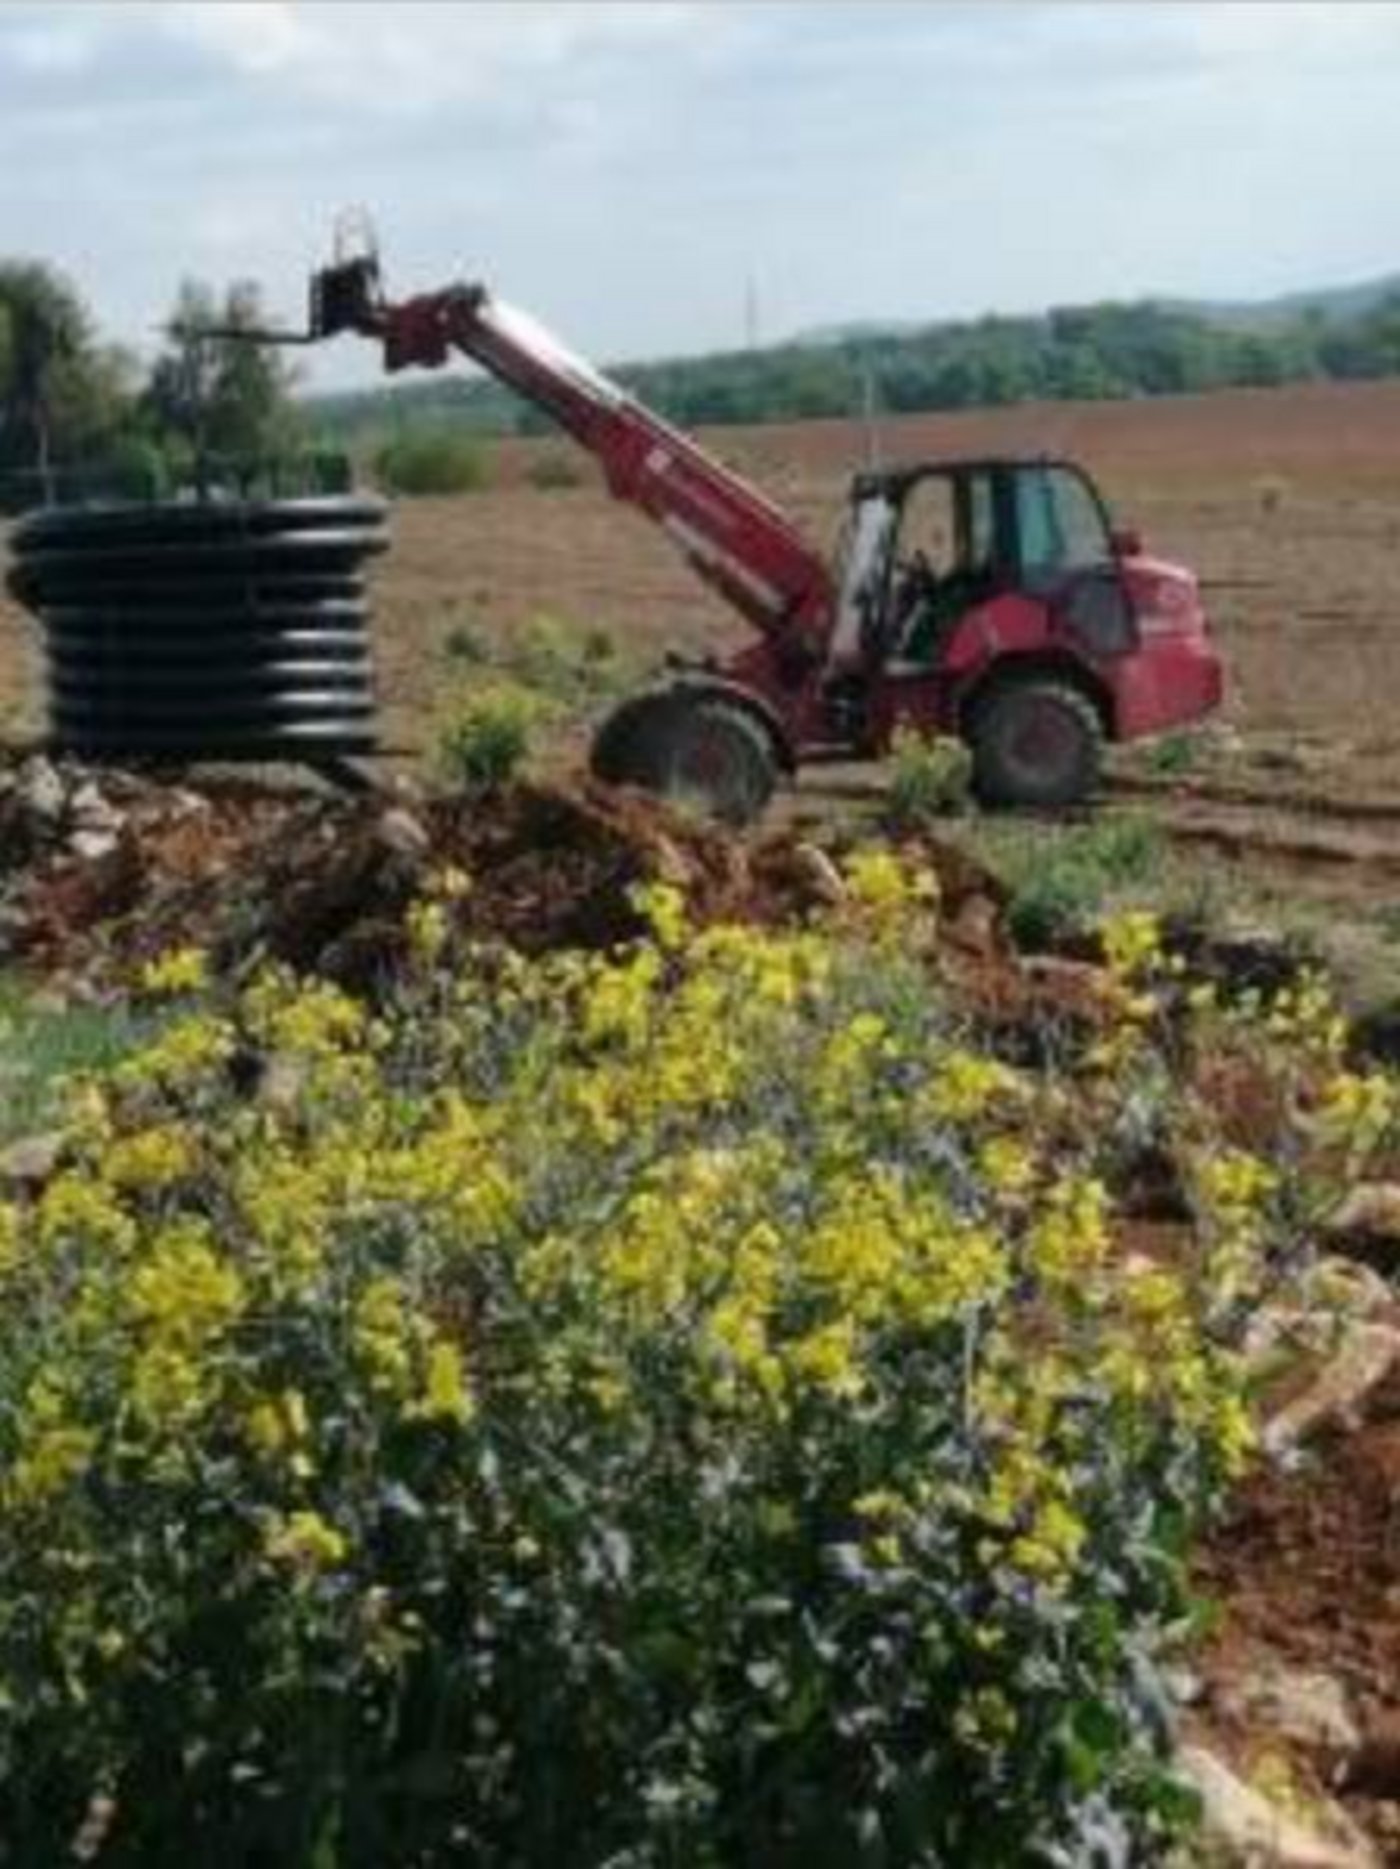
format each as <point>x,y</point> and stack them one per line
<point>1176,674</point>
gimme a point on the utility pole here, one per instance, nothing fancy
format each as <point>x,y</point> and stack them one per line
<point>751,313</point>
<point>870,412</point>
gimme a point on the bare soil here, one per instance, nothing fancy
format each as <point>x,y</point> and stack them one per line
<point>1306,1569</point>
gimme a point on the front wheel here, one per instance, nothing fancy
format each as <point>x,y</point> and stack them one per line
<point>702,752</point>
<point>1037,743</point>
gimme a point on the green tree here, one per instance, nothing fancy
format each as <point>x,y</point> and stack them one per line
<point>221,396</point>
<point>60,393</point>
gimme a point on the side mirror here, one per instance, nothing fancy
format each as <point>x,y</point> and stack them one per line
<point>1126,542</point>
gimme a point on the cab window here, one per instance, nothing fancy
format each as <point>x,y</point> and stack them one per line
<point>930,523</point>
<point>952,520</point>
<point>1059,522</point>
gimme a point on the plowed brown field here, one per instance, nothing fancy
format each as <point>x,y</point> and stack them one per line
<point>1287,502</point>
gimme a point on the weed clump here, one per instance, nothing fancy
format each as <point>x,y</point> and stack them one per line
<point>487,736</point>
<point>930,777</point>
<point>1062,882</point>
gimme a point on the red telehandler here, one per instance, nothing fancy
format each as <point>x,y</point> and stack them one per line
<point>1036,634</point>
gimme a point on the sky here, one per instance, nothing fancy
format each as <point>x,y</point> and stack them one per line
<point>653,178</point>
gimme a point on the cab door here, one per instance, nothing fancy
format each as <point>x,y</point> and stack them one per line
<point>1065,557</point>
<point>948,561</point>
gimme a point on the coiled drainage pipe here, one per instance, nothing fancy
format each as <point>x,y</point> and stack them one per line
<point>219,630</point>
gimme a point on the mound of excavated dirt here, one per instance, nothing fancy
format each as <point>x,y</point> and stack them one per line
<point>1305,1573</point>
<point>101,870</point>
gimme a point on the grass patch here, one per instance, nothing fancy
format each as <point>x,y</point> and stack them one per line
<point>571,671</point>
<point>1064,878</point>
<point>42,1045</point>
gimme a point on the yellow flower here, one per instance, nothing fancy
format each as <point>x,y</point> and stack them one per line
<point>1049,1549</point>
<point>826,1359</point>
<point>1132,942</point>
<point>985,1719</point>
<point>1236,1183</point>
<point>880,1504</point>
<point>9,1237</point>
<point>427,930</point>
<point>304,1539</point>
<point>383,1337</point>
<point>966,1084</point>
<point>178,970</point>
<point>149,1160</point>
<point>73,1207</point>
<point>881,885</point>
<point>183,1288</point>
<point>279,1427</point>
<point>1358,1109</point>
<point>53,1448</point>
<point>311,1019</point>
<point>450,884</point>
<point>1070,1239</point>
<point>1007,1165</point>
<point>445,1397</point>
<point>185,1051</point>
<point>663,906</point>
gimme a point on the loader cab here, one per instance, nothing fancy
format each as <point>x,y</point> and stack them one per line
<point>932,542</point>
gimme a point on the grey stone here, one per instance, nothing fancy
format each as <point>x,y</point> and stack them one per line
<point>1298,1703</point>
<point>1370,1210</point>
<point>1256,1834</point>
<point>402,833</point>
<point>93,844</point>
<point>282,1081</point>
<point>818,874</point>
<point>31,1161</point>
<point>1364,1355</point>
<point>90,810</point>
<point>42,791</point>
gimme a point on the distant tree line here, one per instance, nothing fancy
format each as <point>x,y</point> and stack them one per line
<point>81,418</point>
<point>1086,353</point>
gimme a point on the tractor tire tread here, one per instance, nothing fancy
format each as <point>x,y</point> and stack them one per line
<point>995,785</point>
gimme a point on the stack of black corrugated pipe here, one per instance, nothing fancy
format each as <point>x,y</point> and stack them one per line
<point>220,630</point>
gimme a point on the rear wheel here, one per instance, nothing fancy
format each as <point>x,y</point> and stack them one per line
<point>703,751</point>
<point>1037,743</point>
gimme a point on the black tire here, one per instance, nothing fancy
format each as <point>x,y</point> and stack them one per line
<point>1035,742</point>
<point>701,751</point>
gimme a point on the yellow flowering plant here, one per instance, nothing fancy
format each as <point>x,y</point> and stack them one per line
<point>690,1403</point>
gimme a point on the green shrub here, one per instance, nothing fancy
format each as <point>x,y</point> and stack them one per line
<point>930,777</point>
<point>1174,753</point>
<point>574,666</point>
<point>465,643</point>
<point>486,737</point>
<point>41,1044</point>
<point>1062,880</point>
<point>432,461</point>
<point>599,646</point>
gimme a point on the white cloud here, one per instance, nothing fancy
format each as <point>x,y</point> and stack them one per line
<point>412,57</point>
<point>253,36</point>
<point>43,47</point>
